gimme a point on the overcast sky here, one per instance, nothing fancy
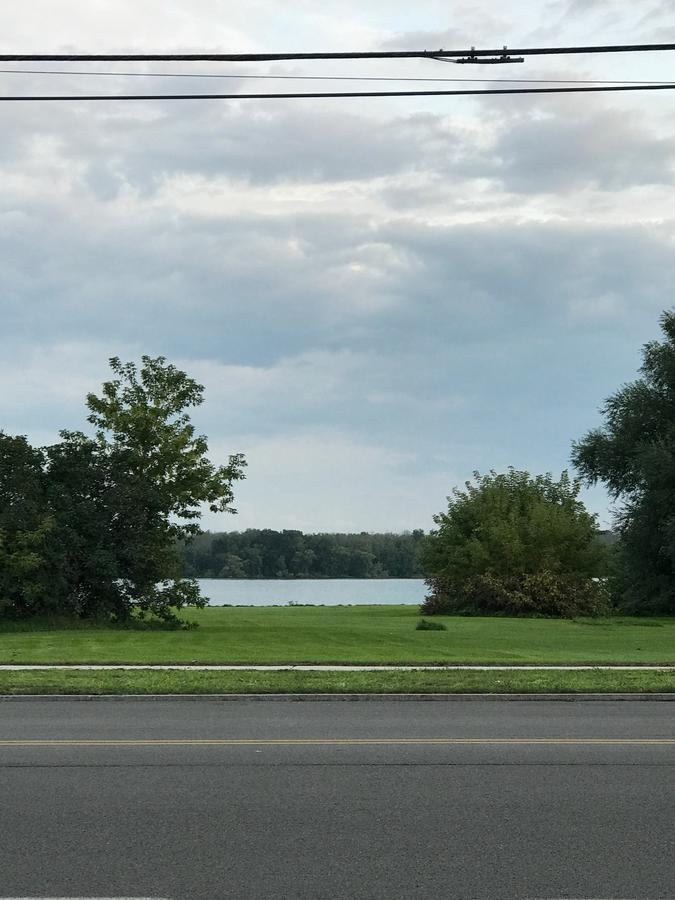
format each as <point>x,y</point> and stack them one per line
<point>380,296</point>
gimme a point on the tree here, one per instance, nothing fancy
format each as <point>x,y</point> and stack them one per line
<point>159,476</point>
<point>292,554</point>
<point>515,544</point>
<point>633,453</point>
<point>92,526</point>
<point>80,494</point>
<point>25,529</point>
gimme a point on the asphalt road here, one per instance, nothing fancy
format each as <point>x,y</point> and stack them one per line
<point>195,800</point>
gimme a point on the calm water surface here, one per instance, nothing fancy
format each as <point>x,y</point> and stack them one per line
<point>326,591</point>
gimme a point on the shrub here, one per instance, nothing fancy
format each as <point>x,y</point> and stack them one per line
<point>423,625</point>
<point>516,545</point>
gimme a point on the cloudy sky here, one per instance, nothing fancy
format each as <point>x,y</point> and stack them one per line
<point>380,296</point>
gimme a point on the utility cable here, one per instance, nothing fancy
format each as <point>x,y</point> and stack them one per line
<point>328,77</point>
<point>472,54</point>
<point>341,94</point>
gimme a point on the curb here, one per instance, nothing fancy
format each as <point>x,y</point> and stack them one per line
<point>564,698</point>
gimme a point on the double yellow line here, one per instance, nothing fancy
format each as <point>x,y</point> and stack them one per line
<point>343,742</point>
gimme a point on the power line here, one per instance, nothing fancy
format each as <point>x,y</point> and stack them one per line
<point>328,77</point>
<point>343,94</point>
<point>382,54</point>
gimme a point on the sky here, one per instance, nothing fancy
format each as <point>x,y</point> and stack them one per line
<point>380,296</point>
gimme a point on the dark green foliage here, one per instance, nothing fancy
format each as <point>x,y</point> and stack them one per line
<point>425,625</point>
<point>89,526</point>
<point>634,455</point>
<point>263,553</point>
<point>79,492</point>
<point>26,527</point>
<point>513,544</point>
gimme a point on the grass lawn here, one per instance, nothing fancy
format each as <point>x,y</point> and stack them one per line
<point>363,634</point>
<point>441,681</point>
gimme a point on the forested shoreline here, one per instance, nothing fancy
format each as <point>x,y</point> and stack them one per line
<point>265,553</point>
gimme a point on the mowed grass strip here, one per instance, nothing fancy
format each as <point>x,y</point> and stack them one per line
<point>363,634</point>
<point>168,683</point>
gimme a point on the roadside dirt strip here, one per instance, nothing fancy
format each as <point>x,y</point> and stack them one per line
<point>328,668</point>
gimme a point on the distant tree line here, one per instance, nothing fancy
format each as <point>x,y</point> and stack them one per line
<point>264,553</point>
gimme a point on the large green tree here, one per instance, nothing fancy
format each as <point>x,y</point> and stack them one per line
<point>159,479</point>
<point>633,453</point>
<point>514,544</point>
<point>90,525</point>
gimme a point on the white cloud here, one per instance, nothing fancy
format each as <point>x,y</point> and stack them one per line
<point>379,296</point>
<point>325,480</point>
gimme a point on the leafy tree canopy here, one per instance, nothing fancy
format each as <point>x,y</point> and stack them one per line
<point>25,525</point>
<point>94,520</point>
<point>517,545</point>
<point>633,453</point>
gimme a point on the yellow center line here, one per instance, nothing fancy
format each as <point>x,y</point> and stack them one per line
<point>349,742</point>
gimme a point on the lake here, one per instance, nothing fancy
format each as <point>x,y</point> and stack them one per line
<point>317,592</point>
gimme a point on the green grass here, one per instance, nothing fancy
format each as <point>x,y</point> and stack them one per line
<point>119,682</point>
<point>364,634</point>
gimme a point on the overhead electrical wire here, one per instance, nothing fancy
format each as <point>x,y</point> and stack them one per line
<point>341,94</point>
<point>381,54</point>
<point>462,56</point>
<point>327,77</point>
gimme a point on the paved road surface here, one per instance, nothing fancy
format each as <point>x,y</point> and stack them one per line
<point>337,800</point>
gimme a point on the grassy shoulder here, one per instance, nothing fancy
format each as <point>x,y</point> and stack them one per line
<point>358,634</point>
<point>134,682</point>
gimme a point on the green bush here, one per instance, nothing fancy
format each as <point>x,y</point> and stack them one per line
<point>423,625</point>
<point>516,545</point>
